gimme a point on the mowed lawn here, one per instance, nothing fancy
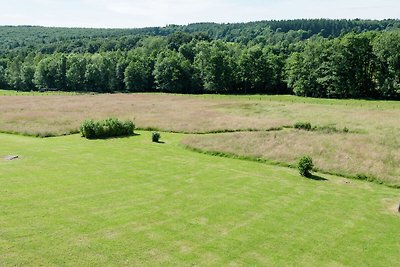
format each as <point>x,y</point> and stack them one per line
<point>127,201</point>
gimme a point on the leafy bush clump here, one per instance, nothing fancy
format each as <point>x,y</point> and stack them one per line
<point>303,126</point>
<point>106,128</point>
<point>305,166</point>
<point>155,137</point>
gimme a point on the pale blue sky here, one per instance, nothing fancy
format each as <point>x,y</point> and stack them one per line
<point>140,13</point>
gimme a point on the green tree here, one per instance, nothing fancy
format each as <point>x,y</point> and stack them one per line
<point>3,81</point>
<point>59,63</point>
<point>120,68</point>
<point>99,74</point>
<point>152,46</point>
<point>75,75</point>
<point>358,61</point>
<point>256,70</point>
<point>386,47</point>
<point>177,39</point>
<point>42,77</point>
<point>216,64</point>
<point>138,74</point>
<point>13,74</point>
<point>27,76</point>
<point>303,69</point>
<point>51,72</point>
<point>172,72</point>
<point>93,77</point>
<point>188,50</point>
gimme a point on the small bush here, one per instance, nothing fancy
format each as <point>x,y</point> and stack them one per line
<point>303,126</point>
<point>305,166</point>
<point>155,137</point>
<point>106,128</point>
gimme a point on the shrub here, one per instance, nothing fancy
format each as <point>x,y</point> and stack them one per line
<point>88,129</point>
<point>305,166</point>
<point>106,128</point>
<point>303,126</point>
<point>155,136</point>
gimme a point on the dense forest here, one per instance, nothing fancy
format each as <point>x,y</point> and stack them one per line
<point>317,58</point>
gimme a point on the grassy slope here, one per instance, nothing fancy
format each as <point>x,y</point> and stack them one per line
<point>355,155</point>
<point>127,201</point>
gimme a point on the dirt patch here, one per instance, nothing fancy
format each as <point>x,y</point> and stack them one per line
<point>12,157</point>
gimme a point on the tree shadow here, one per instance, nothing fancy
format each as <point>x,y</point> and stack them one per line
<point>114,137</point>
<point>122,136</point>
<point>317,178</point>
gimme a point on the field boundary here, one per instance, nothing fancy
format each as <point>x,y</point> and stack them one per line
<point>153,129</point>
<point>360,177</point>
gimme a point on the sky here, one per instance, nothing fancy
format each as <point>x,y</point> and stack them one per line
<point>146,13</point>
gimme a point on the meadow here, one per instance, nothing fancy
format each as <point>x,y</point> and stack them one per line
<point>371,148</point>
<point>53,114</point>
<point>69,201</point>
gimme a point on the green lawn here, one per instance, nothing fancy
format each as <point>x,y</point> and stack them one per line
<point>127,201</point>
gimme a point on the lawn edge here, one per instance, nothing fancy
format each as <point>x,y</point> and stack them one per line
<point>359,177</point>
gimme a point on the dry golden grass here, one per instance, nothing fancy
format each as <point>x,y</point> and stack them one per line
<point>40,115</point>
<point>363,119</point>
<point>349,154</point>
<point>62,114</point>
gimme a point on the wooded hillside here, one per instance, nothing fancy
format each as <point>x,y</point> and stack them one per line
<point>318,58</point>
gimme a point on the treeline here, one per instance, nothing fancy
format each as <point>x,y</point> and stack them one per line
<point>363,65</point>
<point>196,66</point>
<point>359,64</point>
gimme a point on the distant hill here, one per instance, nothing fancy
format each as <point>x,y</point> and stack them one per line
<point>15,39</point>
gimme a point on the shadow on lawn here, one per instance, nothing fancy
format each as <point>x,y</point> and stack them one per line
<point>123,136</point>
<point>317,178</point>
<point>114,137</point>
